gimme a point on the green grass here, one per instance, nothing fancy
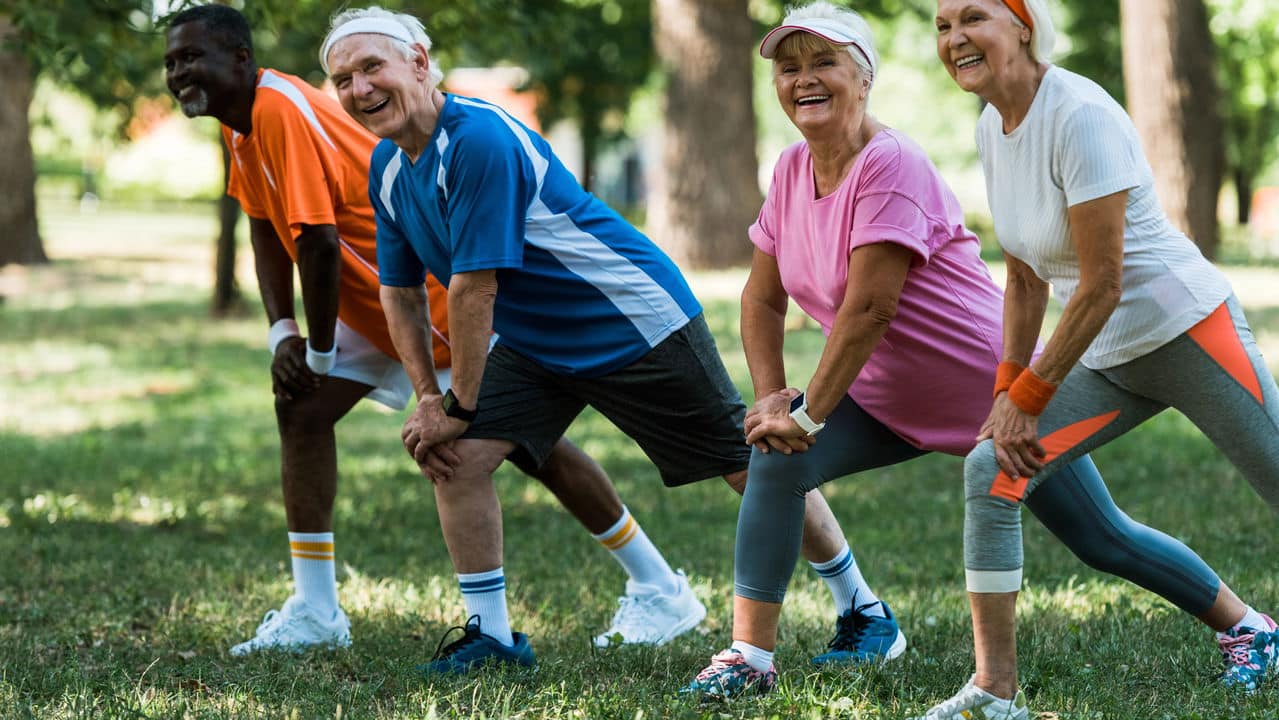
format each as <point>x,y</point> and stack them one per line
<point>142,535</point>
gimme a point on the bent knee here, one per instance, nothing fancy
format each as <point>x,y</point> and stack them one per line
<point>305,413</point>
<point>792,473</point>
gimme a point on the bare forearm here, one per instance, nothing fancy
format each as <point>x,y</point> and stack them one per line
<point>471,298</point>
<point>1025,301</point>
<point>1084,317</point>
<point>856,332</point>
<point>319,267</point>
<point>763,331</point>
<point>274,270</point>
<point>406,312</point>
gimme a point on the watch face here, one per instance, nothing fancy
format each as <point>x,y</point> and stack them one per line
<point>797,402</point>
<point>449,402</point>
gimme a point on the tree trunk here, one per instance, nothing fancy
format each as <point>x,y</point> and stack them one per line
<point>20,238</point>
<point>707,192</point>
<point>1243,195</point>
<point>226,294</point>
<point>1173,99</point>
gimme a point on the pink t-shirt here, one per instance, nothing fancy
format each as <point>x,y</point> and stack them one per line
<point>930,377</point>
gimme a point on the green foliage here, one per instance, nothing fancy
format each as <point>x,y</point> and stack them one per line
<point>1094,32</point>
<point>1247,37</point>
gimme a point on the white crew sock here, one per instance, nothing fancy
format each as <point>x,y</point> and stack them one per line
<point>485,595</point>
<point>314,571</point>
<point>844,578</point>
<point>637,555</point>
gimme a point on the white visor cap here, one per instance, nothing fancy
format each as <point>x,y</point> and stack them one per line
<point>832,31</point>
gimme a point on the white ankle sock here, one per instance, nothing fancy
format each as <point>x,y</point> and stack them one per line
<point>758,658</point>
<point>637,555</point>
<point>314,571</point>
<point>485,595</point>
<point>1252,620</point>
<point>844,578</point>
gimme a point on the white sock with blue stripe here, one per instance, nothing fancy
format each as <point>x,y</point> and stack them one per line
<point>485,595</point>
<point>845,581</point>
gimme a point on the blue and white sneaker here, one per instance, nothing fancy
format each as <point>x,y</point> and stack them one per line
<point>730,676</point>
<point>1250,655</point>
<point>861,638</point>
<point>474,649</point>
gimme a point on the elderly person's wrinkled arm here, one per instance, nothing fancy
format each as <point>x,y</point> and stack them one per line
<point>1097,234</point>
<point>876,275</point>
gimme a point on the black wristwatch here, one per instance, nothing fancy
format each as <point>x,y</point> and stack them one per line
<point>454,409</point>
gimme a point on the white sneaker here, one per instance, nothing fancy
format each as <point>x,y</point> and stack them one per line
<point>650,618</point>
<point>973,703</point>
<point>295,627</point>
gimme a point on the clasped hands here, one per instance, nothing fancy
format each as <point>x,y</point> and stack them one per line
<point>1016,435</point>
<point>769,426</point>
<point>428,436</point>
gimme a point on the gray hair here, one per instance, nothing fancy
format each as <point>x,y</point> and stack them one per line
<point>1043,37</point>
<point>852,22</point>
<point>412,26</point>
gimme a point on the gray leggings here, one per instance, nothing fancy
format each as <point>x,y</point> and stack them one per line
<point>1213,374</point>
<point>1074,505</point>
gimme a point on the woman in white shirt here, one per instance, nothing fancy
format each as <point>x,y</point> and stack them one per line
<point>1148,324</point>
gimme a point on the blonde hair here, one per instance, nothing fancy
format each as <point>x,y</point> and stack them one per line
<point>411,25</point>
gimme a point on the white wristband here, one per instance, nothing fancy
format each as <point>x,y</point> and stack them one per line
<point>321,362</point>
<point>281,330</point>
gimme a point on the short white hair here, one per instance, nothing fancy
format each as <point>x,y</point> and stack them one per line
<point>1043,37</point>
<point>411,24</point>
<point>854,23</point>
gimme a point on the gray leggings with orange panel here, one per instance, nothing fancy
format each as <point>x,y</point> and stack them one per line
<point>1214,375</point>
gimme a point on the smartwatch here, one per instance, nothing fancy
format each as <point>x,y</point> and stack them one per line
<point>454,409</point>
<point>799,413</point>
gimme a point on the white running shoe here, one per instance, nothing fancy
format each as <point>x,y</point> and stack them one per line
<point>646,617</point>
<point>973,703</point>
<point>295,627</point>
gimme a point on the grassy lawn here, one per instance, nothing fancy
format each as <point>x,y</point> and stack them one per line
<point>142,535</point>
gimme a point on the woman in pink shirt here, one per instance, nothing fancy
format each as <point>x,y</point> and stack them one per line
<point>862,232</point>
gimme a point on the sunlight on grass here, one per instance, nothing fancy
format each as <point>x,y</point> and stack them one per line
<point>143,534</point>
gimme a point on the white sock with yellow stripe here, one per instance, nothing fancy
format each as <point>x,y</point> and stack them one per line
<point>314,571</point>
<point>637,555</point>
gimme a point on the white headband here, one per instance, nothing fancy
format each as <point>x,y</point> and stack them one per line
<point>364,25</point>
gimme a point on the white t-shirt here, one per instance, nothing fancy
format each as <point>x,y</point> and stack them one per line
<point>1077,144</point>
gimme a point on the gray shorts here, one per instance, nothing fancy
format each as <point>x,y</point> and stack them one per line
<point>677,402</point>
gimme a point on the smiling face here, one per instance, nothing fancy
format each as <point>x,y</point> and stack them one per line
<point>201,72</point>
<point>818,85</point>
<point>978,41</point>
<point>378,86</point>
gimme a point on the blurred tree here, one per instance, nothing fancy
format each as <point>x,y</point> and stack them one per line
<point>603,52</point>
<point>20,243</point>
<point>708,192</point>
<point>1173,99</point>
<point>1247,35</point>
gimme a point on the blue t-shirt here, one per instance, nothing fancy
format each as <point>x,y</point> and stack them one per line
<point>580,290</point>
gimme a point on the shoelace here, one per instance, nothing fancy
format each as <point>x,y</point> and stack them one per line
<point>1237,650</point>
<point>719,662</point>
<point>962,700</point>
<point>470,634</point>
<point>850,628</point>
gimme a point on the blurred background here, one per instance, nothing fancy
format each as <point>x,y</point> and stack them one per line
<point>661,107</point>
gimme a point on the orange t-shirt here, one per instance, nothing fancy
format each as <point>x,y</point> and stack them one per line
<point>306,162</point>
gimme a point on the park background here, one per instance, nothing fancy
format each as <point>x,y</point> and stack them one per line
<point>139,514</point>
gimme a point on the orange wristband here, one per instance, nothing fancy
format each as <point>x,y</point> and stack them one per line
<point>1031,393</point>
<point>1007,372</point>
